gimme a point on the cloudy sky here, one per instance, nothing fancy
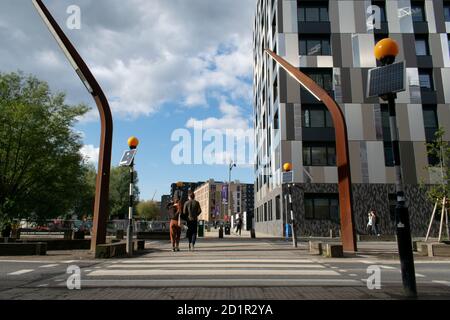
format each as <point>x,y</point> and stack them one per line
<point>163,64</point>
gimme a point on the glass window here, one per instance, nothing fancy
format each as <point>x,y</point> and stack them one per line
<point>326,47</point>
<point>301,14</point>
<point>422,47</point>
<point>314,47</point>
<point>388,154</point>
<point>426,80</point>
<point>306,156</point>
<point>331,153</point>
<point>318,156</point>
<point>317,118</point>
<point>309,209</point>
<point>430,118</point>
<point>447,11</point>
<point>312,14</point>
<point>328,119</point>
<point>306,118</point>
<point>321,209</point>
<point>324,14</point>
<point>302,45</point>
<point>334,210</point>
<point>418,12</point>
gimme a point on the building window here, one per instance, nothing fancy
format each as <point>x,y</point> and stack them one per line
<point>447,11</point>
<point>323,77</point>
<point>315,46</point>
<point>277,207</point>
<point>321,206</point>
<point>422,47</point>
<point>387,144</point>
<point>382,6</point>
<point>418,11</point>
<point>426,79</point>
<point>431,125</point>
<point>392,205</point>
<point>313,13</point>
<point>276,121</point>
<point>265,211</point>
<point>315,116</point>
<point>319,154</point>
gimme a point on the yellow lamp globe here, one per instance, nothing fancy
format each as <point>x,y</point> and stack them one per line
<point>133,142</point>
<point>287,167</point>
<point>386,47</point>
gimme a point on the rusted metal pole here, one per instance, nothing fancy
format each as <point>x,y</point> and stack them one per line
<point>101,209</point>
<point>348,235</point>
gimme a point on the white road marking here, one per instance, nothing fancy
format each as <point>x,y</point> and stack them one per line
<point>342,270</point>
<point>353,275</point>
<point>418,275</point>
<point>180,261</point>
<point>447,283</point>
<point>214,282</point>
<point>205,265</point>
<point>388,267</point>
<point>43,285</point>
<point>18,273</point>
<point>215,272</point>
<point>69,261</point>
<point>49,266</point>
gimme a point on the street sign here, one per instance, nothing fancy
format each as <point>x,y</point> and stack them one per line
<point>288,177</point>
<point>386,79</point>
<point>127,158</point>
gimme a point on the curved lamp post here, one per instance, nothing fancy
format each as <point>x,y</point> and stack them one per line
<point>104,163</point>
<point>348,235</point>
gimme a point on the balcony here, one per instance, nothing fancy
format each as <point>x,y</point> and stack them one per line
<point>428,96</point>
<point>314,27</point>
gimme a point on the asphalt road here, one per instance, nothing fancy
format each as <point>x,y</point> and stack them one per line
<point>230,269</point>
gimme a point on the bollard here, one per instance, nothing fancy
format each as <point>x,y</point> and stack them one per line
<point>220,232</point>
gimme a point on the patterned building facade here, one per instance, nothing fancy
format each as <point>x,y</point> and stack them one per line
<point>332,42</point>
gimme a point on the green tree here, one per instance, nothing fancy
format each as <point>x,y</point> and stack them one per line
<point>439,149</point>
<point>41,168</point>
<point>148,210</point>
<point>119,189</point>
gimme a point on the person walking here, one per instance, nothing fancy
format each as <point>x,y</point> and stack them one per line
<point>376,225</point>
<point>175,224</point>
<point>192,210</point>
<point>239,225</point>
<point>370,223</point>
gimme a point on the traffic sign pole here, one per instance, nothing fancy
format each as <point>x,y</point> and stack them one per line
<point>130,214</point>
<point>402,224</point>
<point>385,51</point>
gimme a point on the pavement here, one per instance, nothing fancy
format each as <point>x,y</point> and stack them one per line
<point>233,268</point>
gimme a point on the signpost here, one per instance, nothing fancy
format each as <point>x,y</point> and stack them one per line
<point>128,161</point>
<point>385,81</point>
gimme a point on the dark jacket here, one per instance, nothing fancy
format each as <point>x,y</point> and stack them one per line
<point>192,210</point>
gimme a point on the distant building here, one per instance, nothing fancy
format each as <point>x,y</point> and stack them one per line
<point>182,191</point>
<point>212,196</point>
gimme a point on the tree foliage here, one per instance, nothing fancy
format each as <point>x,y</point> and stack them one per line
<point>148,210</point>
<point>440,151</point>
<point>41,168</point>
<point>119,190</point>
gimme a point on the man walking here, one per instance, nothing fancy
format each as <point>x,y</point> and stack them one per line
<point>192,210</point>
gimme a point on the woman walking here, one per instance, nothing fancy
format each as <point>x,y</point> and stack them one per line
<point>175,224</point>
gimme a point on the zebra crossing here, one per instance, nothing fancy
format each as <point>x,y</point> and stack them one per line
<point>214,272</point>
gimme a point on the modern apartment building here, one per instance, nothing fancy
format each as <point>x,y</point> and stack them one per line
<point>332,42</point>
<point>211,195</point>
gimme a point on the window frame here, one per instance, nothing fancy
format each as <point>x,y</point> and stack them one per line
<point>311,200</point>
<point>307,153</point>
<point>322,11</point>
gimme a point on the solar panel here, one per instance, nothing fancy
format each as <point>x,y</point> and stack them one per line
<point>288,177</point>
<point>127,158</point>
<point>386,79</point>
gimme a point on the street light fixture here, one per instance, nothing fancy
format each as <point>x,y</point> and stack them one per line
<point>287,168</point>
<point>101,210</point>
<point>133,142</point>
<point>386,51</point>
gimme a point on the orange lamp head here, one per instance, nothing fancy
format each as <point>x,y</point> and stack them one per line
<point>133,142</point>
<point>287,167</point>
<point>386,48</point>
<point>180,184</point>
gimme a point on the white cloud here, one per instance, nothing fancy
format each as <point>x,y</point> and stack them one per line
<point>232,118</point>
<point>90,153</point>
<point>143,53</point>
